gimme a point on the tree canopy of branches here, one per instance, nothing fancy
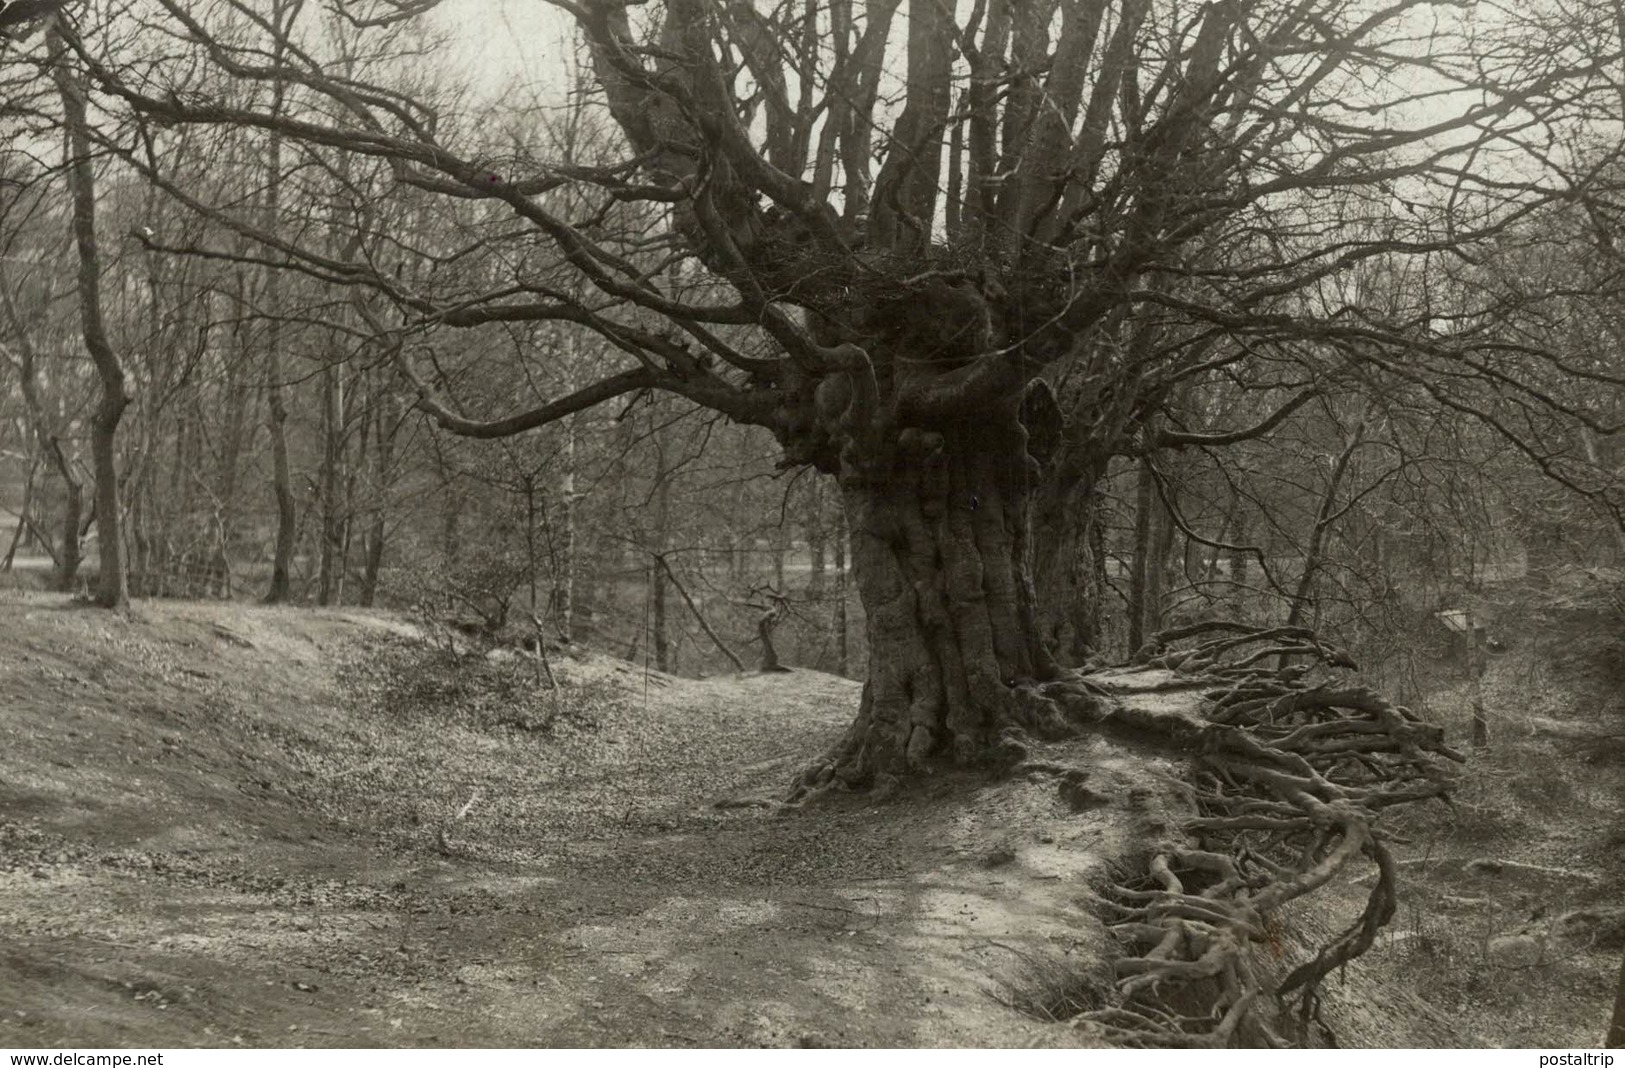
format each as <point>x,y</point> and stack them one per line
<point>875,229</point>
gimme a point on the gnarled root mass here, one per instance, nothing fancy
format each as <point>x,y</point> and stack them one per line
<point>1291,769</point>
<point>1291,778</point>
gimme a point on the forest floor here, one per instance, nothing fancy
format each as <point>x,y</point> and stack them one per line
<point>236,825</point>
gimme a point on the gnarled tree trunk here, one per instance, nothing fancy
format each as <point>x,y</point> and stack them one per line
<point>939,549</point>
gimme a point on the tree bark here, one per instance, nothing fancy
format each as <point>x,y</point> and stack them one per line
<point>766,624</point>
<point>660,537</point>
<point>1327,514</point>
<point>234,436</point>
<point>843,655</point>
<point>1157,570</point>
<point>66,558</point>
<point>781,547</point>
<point>332,547</point>
<point>280,590</point>
<point>287,521</point>
<point>939,529</point>
<point>564,574</point>
<point>112,590</point>
<point>1146,505</point>
<point>1231,521</point>
<point>71,554</point>
<point>817,538</point>
<point>386,423</point>
<point>532,571</point>
<point>1069,565</point>
<point>22,516</point>
<point>1473,647</point>
<point>657,622</point>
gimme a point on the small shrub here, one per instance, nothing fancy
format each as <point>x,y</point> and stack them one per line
<point>482,693</point>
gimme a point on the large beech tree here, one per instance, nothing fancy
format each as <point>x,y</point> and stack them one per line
<point>957,256</point>
<point>908,216</point>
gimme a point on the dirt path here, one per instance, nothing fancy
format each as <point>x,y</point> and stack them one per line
<point>223,825</point>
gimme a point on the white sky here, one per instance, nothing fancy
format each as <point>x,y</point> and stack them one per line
<point>505,40</point>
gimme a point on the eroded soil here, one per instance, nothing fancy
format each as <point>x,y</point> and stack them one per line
<point>236,825</point>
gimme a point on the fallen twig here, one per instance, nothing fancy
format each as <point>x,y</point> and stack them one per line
<point>441,835</point>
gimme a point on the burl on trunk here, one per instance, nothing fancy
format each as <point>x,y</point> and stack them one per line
<point>939,520</point>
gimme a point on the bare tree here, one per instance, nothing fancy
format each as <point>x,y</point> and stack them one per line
<point>112,590</point>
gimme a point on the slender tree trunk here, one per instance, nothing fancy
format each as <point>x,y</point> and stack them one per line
<point>73,494</point>
<point>141,577</point>
<point>287,516</point>
<point>373,563</point>
<point>70,554</point>
<point>66,558</point>
<point>1146,505</point>
<point>178,500</point>
<point>843,653</point>
<point>233,436</point>
<point>661,538</point>
<point>1302,597</point>
<point>1156,586</point>
<point>532,572</point>
<point>280,590</point>
<point>657,578</point>
<point>386,423</point>
<point>22,515</point>
<point>781,546</point>
<point>1473,646</point>
<point>1232,519</point>
<point>564,576</point>
<point>1069,561</point>
<point>1240,561</point>
<point>817,537</point>
<point>353,470</point>
<point>112,589</point>
<point>332,544</point>
<point>657,615</point>
<point>766,624</point>
<point>740,538</point>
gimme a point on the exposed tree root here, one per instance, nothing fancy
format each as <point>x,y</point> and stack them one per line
<point>1291,770</point>
<point>1291,776</point>
<point>1053,710</point>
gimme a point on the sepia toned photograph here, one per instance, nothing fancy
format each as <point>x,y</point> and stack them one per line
<point>812,524</point>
